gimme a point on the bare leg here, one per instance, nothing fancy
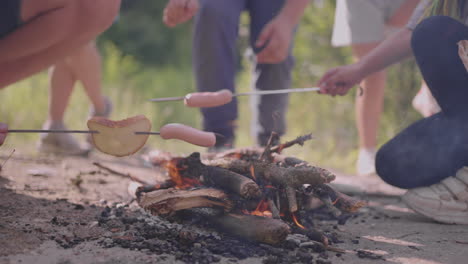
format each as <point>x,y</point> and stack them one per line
<point>369,105</point>
<point>86,67</point>
<point>38,15</point>
<point>61,86</point>
<point>86,19</point>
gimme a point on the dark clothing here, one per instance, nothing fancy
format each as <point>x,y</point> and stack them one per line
<point>214,64</point>
<point>10,11</point>
<point>434,148</point>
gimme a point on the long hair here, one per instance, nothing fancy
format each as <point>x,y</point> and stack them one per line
<point>451,8</point>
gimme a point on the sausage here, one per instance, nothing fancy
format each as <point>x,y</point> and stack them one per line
<point>188,134</point>
<point>208,99</point>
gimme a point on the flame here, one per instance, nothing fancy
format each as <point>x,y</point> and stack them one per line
<point>297,222</point>
<point>176,177</point>
<point>252,172</point>
<point>263,209</point>
<point>337,199</point>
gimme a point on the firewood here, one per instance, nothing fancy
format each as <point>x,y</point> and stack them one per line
<point>339,200</point>
<point>219,177</point>
<point>291,176</point>
<point>168,201</point>
<point>255,228</point>
<point>230,181</point>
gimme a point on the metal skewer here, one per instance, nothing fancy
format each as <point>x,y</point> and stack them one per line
<point>282,91</point>
<point>69,131</point>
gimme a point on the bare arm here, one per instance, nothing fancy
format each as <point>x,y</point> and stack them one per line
<point>392,50</point>
<point>339,80</point>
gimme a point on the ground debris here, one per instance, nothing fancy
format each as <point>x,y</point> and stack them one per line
<point>368,254</point>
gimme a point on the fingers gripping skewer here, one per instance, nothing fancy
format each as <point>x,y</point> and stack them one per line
<point>222,97</point>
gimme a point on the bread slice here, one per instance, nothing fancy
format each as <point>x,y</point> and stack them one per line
<point>118,138</point>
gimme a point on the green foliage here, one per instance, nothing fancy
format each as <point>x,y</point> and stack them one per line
<point>144,59</point>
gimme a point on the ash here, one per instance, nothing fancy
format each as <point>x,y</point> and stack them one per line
<point>193,241</point>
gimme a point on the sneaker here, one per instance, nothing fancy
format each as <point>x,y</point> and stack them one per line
<point>445,202</point>
<point>365,165</point>
<point>107,111</point>
<point>60,143</point>
<point>425,103</point>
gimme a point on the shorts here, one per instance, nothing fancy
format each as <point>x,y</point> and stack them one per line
<point>362,21</point>
<point>10,16</point>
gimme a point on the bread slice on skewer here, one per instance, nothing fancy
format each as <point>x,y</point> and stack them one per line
<point>118,138</point>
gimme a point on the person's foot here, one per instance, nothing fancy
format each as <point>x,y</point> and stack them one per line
<point>425,103</point>
<point>365,165</point>
<point>106,112</point>
<point>445,202</point>
<point>60,143</point>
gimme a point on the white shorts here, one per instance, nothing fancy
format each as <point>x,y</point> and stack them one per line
<point>362,21</point>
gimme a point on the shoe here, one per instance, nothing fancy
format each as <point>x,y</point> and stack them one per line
<point>365,165</point>
<point>106,113</point>
<point>425,103</point>
<point>60,143</point>
<point>445,202</point>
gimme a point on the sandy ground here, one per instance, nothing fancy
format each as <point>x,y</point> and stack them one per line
<point>49,205</point>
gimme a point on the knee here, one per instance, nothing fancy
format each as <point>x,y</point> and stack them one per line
<point>430,27</point>
<point>388,169</point>
<point>98,15</point>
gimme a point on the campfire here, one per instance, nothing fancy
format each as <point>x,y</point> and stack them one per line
<point>258,195</point>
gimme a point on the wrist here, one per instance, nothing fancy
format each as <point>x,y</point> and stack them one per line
<point>362,69</point>
<point>293,11</point>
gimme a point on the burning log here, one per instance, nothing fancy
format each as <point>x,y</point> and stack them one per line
<point>260,229</point>
<point>291,176</point>
<point>231,181</point>
<point>219,177</point>
<point>168,201</point>
<point>338,200</point>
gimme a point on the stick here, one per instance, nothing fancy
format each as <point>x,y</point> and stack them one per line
<point>298,141</point>
<point>168,201</point>
<point>260,229</point>
<point>125,175</point>
<point>338,200</point>
<point>266,155</point>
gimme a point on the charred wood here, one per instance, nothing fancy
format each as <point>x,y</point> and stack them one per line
<point>168,201</point>
<point>260,229</point>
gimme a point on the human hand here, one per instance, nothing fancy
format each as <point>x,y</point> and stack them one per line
<point>275,39</point>
<point>340,80</point>
<point>3,132</point>
<point>179,11</point>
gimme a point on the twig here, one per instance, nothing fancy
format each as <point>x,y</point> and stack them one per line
<point>9,156</point>
<point>298,141</point>
<point>274,210</point>
<point>266,155</point>
<point>125,175</point>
